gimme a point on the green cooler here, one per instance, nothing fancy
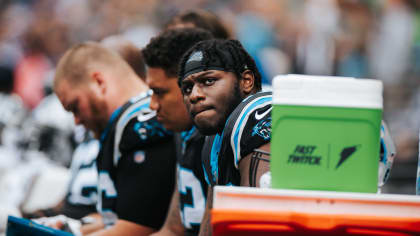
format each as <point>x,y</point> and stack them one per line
<point>325,133</point>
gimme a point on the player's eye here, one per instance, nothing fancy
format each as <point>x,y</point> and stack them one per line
<point>209,81</point>
<point>157,92</point>
<point>186,88</point>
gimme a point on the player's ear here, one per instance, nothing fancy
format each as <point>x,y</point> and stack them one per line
<point>98,80</point>
<point>247,82</point>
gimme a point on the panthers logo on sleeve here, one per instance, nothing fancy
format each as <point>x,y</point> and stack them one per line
<point>149,129</point>
<point>140,126</point>
<point>248,127</point>
<point>263,129</point>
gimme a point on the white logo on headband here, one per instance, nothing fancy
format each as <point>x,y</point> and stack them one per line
<point>196,56</point>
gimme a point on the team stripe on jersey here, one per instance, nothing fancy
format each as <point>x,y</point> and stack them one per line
<point>114,115</point>
<point>241,123</point>
<point>185,137</point>
<point>214,156</point>
<point>133,111</point>
<point>206,177</point>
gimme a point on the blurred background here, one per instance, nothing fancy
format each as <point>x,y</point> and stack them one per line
<point>358,38</point>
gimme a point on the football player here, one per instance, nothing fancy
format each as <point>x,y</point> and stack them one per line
<point>221,87</point>
<point>135,161</point>
<point>162,56</point>
<point>81,197</point>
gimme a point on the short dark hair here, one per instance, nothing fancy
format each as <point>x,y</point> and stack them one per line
<point>201,19</point>
<point>215,48</point>
<point>165,50</point>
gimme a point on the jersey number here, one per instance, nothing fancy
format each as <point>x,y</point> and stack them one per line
<point>192,198</point>
<point>106,185</point>
<point>83,189</point>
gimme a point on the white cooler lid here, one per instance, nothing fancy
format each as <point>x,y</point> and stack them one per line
<point>330,91</point>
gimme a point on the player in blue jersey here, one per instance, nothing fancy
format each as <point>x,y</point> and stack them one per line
<point>162,55</point>
<point>220,84</point>
<point>135,162</point>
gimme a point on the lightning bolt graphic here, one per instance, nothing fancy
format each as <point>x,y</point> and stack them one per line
<point>346,153</point>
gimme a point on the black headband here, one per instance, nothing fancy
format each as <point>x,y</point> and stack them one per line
<point>195,63</point>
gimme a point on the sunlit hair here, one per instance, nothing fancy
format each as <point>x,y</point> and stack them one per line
<point>74,64</point>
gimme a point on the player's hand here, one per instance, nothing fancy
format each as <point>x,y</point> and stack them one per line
<point>61,222</point>
<point>55,222</point>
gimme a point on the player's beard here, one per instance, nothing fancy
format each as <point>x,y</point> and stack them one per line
<point>210,127</point>
<point>99,118</point>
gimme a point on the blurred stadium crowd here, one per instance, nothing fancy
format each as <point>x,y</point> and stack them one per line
<point>358,38</point>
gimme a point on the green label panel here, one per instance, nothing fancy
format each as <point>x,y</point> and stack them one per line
<point>321,148</point>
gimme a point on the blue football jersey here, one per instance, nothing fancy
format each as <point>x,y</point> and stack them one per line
<point>136,166</point>
<point>247,128</point>
<point>192,186</point>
